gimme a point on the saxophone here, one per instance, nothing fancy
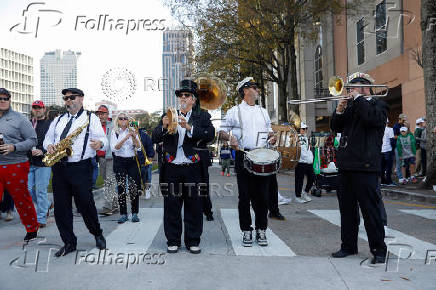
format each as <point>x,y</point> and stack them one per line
<point>63,148</point>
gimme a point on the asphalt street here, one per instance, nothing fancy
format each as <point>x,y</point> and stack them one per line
<point>298,256</point>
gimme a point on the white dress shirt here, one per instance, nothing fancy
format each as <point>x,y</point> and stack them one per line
<point>256,125</point>
<point>180,154</point>
<point>389,133</point>
<point>128,148</point>
<point>96,132</point>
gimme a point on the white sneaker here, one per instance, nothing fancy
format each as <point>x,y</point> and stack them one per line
<point>147,194</point>
<point>283,200</point>
<point>300,200</point>
<point>9,216</point>
<point>306,197</point>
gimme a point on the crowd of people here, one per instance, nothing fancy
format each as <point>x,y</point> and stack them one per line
<point>73,148</point>
<point>406,149</point>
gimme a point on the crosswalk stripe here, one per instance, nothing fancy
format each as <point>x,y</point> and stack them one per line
<point>276,247</point>
<point>425,213</point>
<point>420,247</point>
<point>136,236</point>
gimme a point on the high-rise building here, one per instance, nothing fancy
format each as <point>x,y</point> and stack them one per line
<point>16,75</point>
<point>176,63</point>
<point>58,71</point>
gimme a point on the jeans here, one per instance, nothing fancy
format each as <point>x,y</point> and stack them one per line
<point>94,170</point>
<point>39,178</point>
<point>146,175</point>
<point>398,165</point>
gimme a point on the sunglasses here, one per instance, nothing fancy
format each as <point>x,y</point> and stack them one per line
<point>5,99</point>
<point>71,97</point>
<point>36,107</point>
<point>185,95</point>
<point>123,118</point>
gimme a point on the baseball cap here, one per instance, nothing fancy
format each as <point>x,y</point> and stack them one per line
<point>303,125</point>
<point>403,129</point>
<point>5,92</point>
<point>402,116</point>
<point>38,104</point>
<point>419,120</point>
<point>247,82</point>
<point>103,109</point>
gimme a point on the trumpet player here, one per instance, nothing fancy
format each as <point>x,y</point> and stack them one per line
<point>125,144</point>
<point>72,175</point>
<point>180,173</point>
<point>361,121</point>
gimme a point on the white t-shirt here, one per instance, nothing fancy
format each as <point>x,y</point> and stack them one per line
<point>389,133</point>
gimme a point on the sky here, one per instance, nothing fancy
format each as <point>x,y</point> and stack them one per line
<point>139,50</point>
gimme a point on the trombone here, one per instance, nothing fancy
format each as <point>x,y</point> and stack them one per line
<point>336,86</point>
<point>134,124</point>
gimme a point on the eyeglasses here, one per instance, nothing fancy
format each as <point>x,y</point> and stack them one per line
<point>5,99</point>
<point>185,95</point>
<point>70,97</point>
<point>123,118</point>
<point>36,107</point>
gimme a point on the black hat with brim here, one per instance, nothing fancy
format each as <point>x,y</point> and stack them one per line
<point>187,86</point>
<point>73,91</point>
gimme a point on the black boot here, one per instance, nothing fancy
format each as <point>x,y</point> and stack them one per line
<point>65,250</point>
<point>100,242</point>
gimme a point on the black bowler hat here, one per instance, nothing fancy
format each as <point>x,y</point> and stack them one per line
<point>187,86</point>
<point>73,91</point>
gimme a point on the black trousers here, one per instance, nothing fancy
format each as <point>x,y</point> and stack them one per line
<point>126,169</point>
<point>301,170</point>
<point>273,197</point>
<point>424,161</point>
<point>180,188</point>
<point>387,162</point>
<point>359,189</point>
<point>74,180</point>
<point>252,189</point>
<point>205,191</point>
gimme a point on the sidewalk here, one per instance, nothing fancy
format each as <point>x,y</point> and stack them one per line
<point>409,192</point>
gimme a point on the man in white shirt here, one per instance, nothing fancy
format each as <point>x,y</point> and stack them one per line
<point>387,156</point>
<point>72,176</point>
<point>251,128</point>
<point>180,173</point>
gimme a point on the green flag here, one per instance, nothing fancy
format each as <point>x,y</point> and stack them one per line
<point>316,164</point>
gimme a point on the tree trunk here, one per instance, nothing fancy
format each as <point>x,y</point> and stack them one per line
<point>293,76</point>
<point>428,26</point>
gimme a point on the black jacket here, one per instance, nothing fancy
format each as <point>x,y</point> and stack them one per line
<point>41,130</point>
<point>362,126</point>
<point>203,131</point>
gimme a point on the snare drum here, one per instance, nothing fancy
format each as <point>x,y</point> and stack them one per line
<point>262,161</point>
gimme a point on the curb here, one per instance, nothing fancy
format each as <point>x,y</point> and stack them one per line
<point>407,195</point>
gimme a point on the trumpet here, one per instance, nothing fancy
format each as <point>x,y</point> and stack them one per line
<point>336,87</point>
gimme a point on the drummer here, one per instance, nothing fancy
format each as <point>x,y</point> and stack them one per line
<point>251,128</point>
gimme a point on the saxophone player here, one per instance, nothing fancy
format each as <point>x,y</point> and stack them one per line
<point>72,176</point>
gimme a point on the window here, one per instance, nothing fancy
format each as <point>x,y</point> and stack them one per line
<point>318,70</point>
<point>360,26</point>
<point>381,27</point>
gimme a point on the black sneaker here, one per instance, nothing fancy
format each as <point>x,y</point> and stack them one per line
<point>378,260</point>
<point>247,239</point>
<point>209,217</point>
<point>30,236</point>
<point>100,242</point>
<point>261,238</point>
<point>343,253</point>
<point>277,216</point>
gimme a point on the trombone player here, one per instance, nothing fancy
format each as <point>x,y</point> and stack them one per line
<point>361,120</point>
